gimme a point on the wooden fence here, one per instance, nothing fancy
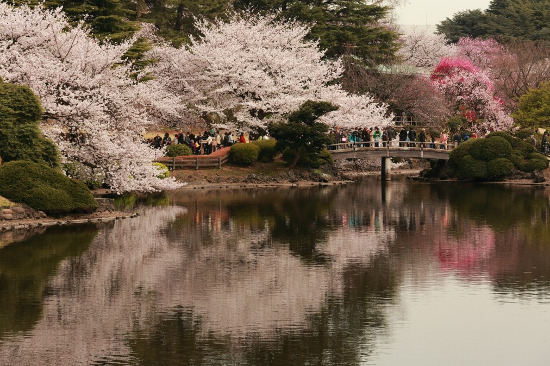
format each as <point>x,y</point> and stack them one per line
<point>194,161</point>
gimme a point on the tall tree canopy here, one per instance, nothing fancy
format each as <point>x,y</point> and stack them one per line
<point>504,19</point>
<point>342,26</point>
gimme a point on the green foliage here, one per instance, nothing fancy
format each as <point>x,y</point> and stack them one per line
<point>504,19</point>
<point>44,188</point>
<point>164,172</point>
<point>455,123</point>
<point>536,164</point>
<point>495,147</point>
<point>267,150</point>
<point>345,27</point>
<point>303,133</point>
<point>534,108</point>
<point>524,133</point>
<point>20,135</point>
<point>499,168</point>
<point>494,157</point>
<point>178,150</point>
<point>472,168</point>
<point>244,154</point>
<point>456,154</point>
<point>517,157</point>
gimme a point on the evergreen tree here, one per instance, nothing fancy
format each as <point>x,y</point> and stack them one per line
<point>504,19</point>
<point>343,27</point>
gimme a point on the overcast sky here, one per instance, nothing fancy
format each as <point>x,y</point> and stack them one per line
<point>431,12</point>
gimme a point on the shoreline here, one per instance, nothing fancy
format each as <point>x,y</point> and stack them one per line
<point>204,183</point>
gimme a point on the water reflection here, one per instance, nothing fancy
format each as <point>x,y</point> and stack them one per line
<point>320,275</point>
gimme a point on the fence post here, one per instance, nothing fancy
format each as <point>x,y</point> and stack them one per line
<point>219,163</point>
<point>196,163</point>
<point>173,163</point>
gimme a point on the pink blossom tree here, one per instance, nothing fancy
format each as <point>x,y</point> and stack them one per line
<point>93,110</point>
<point>470,92</point>
<point>253,70</point>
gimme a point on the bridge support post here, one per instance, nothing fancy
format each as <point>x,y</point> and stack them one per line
<point>386,168</point>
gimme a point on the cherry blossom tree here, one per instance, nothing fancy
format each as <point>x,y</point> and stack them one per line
<point>93,110</point>
<point>470,92</point>
<point>423,49</point>
<point>253,70</point>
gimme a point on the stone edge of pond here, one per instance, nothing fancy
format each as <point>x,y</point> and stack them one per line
<point>43,223</point>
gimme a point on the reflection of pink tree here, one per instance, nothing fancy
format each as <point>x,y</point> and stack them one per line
<point>468,253</point>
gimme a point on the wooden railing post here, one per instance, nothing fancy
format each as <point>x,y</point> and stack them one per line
<point>173,163</point>
<point>196,163</point>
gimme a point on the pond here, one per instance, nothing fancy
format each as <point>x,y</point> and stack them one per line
<point>373,273</point>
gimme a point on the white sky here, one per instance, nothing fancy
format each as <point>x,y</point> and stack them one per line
<point>432,12</point>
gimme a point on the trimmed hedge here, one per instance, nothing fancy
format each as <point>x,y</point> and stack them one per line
<point>244,154</point>
<point>499,168</point>
<point>472,168</point>
<point>178,150</point>
<point>494,157</point>
<point>267,150</point>
<point>20,135</point>
<point>44,188</point>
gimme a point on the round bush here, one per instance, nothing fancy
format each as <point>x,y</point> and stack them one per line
<point>499,168</point>
<point>44,188</point>
<point>518,159</point>
<point>536,164</point>
<point>494,148</point>
<point>459,152</point>
<point>524,133</point>
<point>244,154</point>
<point>504,135</point>
<point>267,150</point>
<point>178,150</point>
<point>475,148</point>
<point>472,168</point>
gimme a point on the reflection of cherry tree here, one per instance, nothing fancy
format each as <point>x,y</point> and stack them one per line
<point>236,281</point>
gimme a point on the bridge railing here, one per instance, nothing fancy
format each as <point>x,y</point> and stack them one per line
<point>394,144</point>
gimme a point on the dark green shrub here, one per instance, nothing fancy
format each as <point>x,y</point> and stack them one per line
<point>325,157</point>
<point>43,188</point>
<point>495,147</point>
<point>267,150</point>
<point>459,152</point>
<point>475,148</point>
<point>536,155</point>
<point>244,154</point>
<point>499,168</point>
<point>472,168</point>
<point>504,135</point>
<point>535,164</point>
<point>20,135</point>
<point>178,150</point>
<point>289,154</point>
<point>518,159</point>
<point>523,146</point>
<point>524,133</point>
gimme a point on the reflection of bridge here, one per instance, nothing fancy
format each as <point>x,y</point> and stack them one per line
<point>390,149</point>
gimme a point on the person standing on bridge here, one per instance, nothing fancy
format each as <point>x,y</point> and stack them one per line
<point>377,136</point>
<point>412,137</point>
<point>422,137</point>
<point>402,137</point>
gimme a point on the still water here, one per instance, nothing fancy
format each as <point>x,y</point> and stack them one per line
<point>403,273</point>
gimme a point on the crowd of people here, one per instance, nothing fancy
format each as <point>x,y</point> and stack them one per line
<point>200,144</point>
<point>406,137</point>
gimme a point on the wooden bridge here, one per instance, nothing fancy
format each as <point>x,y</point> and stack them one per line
<point>391,149</point>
